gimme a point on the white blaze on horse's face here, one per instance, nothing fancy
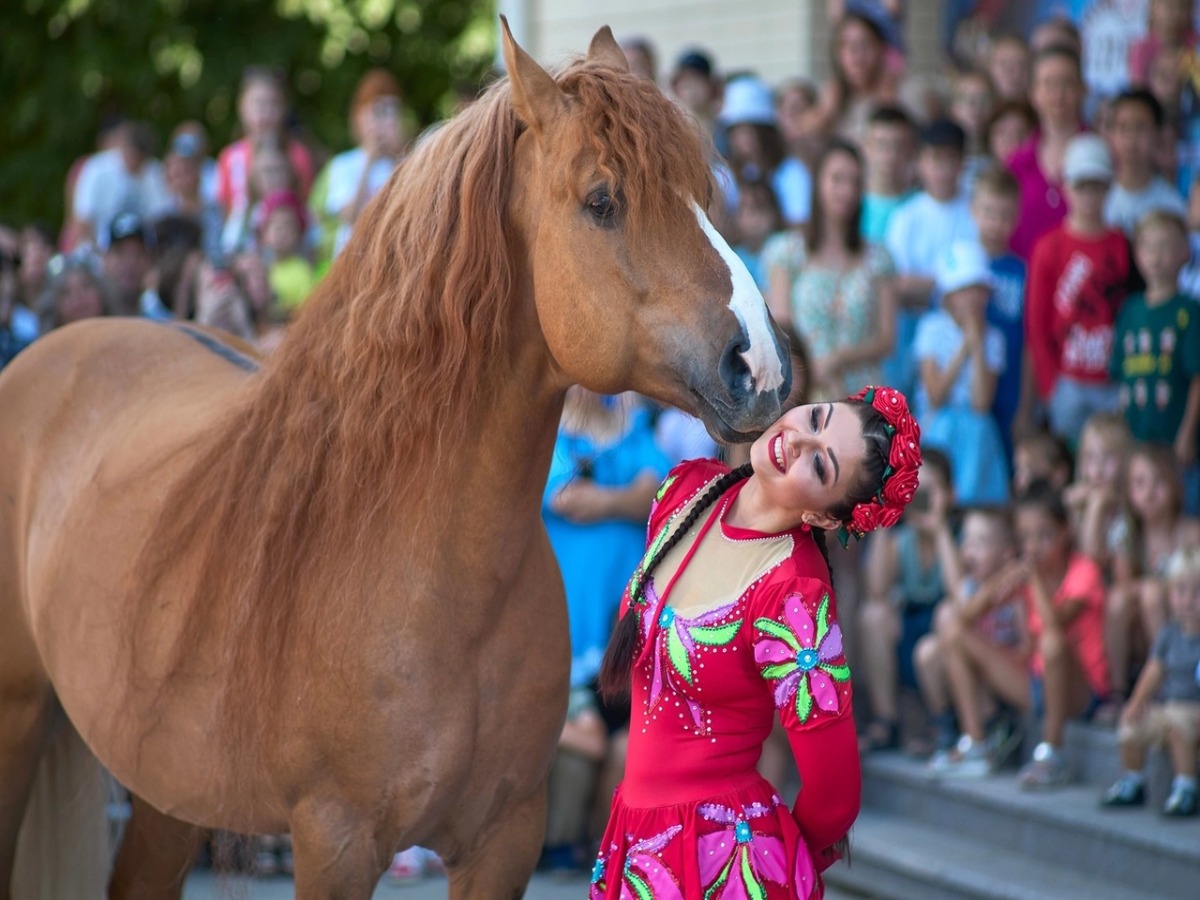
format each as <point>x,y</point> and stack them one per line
<point>762,356</point>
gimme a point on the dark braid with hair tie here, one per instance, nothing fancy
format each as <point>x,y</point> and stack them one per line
<point>819,539</point>
<point>618,659</point>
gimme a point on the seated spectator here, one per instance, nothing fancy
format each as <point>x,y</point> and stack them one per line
<point>271,172</point>
<point>960,356</point>
<point>127,261</point>
<point>124,179</point>
<point>1154,526</point>
<point>1137,189</point>
<point>376,122</point>
<point>1156,349</point>
<point>1064,608</point>
<point>1078,279</point>
<point>1008,69</point>
<point>1040,456</point>
<point>76,290</point>
<point>919,232</point>
<point>978,656</point>
<point>281,239</point>
<point>184,170</point>
<point>1011,124</point>
<point>1094,499</point>
<point>756,152</point>
<point>904,583</point>
<point>171,281</point>
<point>1165,705</point>
<point>888,150</point>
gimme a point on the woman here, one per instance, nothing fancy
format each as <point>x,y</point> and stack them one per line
<point>832,286</point>
<point>1057,97</point>
<point>860,83</point>
<point>729,617</point>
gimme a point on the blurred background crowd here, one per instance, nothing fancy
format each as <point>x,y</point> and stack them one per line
<point>1013,245</point>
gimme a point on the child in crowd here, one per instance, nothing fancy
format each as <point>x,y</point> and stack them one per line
<point>904,584</point>
<point>271,172</point>
<point>994,207</point>
<point>1168,29</point>
<point>1064,608</point>
<point>1078,278</point>
<point>1008,68</point>
<point>1008,128</point>
<point>1040,456</point>
<point>1156,346</point>
<point>1153,527</point>
<point>757,217</point>
<point>1093,499</point>
<point>960,357</point>
<point>971,104</point>
<point>887,149</point>
<point>920,231</point>
<point>1136,121</point>
<point>1165,705</point>
<point>978,653</point>
<point>281,239</point>
<point>695,88</point>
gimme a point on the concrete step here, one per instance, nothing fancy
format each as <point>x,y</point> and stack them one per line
<point>1092,754</point>
<point>1065,828</point>
<point>893,858</point>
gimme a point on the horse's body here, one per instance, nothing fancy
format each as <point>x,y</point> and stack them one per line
<point>317,596</point>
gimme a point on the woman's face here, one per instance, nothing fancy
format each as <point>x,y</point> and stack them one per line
<point>1007,135</point>
<point>1057,93</point>
<point>744,144</point>
<point>1149,490</point>
<point>1045,542</point>
<point>80,299</point>
<point>1008,67</point>
<point>790,108</point>
<point>859,56</point>
<point>1099,459</point>
<point>808,459</point>
<point>261,109</point>
<point>840,186</point>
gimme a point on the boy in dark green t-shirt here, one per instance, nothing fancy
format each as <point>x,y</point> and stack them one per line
<point>1156,342</point>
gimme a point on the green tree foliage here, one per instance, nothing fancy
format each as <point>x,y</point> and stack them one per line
<point>66,64</point>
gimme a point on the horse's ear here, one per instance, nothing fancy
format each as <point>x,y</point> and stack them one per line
<point>605,49</point>
<point>535,97</point>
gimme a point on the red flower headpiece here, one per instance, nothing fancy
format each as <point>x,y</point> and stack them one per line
<point>900,477</point>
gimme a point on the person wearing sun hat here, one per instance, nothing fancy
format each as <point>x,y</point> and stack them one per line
<point>960,357</point>
<point>756,150</point>
<point>1079,277</point>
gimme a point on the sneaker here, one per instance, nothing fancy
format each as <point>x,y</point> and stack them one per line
<point>1048,769</point>
<point>407,866</point>
<point>1182,802</point>
<point>1125,791</point>
<point>967,760</point>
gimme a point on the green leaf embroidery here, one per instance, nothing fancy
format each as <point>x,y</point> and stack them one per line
<point>804,700</point>
<point>779,670</point>
<point>678,654</point>
<point>822,620</point>
<point>715,635</point>
<point>717,886</point>
<point>837,673</point>
<point>663,488</point>
<point>776,630</point>
<point>753,888</point>
<point>640,888</point>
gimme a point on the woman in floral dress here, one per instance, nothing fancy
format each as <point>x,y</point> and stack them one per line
<point>729,621</point>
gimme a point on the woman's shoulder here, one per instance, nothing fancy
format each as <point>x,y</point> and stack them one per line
<point>683,483</point>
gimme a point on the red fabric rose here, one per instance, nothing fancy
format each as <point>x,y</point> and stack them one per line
<point>891,403</point>
<point>890,516</point>
<point>899,489</point>
<point>865,517</point>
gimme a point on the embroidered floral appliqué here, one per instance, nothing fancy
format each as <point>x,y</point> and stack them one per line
<point>644,876</point>
<point>736,860</point>
<point>803,658</point>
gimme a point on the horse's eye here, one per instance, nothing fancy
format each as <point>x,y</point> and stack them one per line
<point>602,206</point>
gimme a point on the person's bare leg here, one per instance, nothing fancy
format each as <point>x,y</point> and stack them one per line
<point>1182,746</point>
<point>1067,691</point>
<point>879,634</point>
<point>1152,602</point>
<point>931,673</point>
<point>1119,617</point>
<point>960,676</point>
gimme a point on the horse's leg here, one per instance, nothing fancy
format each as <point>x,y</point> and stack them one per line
<point>500,866</point>
<point>156,853</point>
<point>25,717</point>
<point>337,854</point>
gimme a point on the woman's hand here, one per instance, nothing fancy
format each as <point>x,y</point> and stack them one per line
<point>582,501</point>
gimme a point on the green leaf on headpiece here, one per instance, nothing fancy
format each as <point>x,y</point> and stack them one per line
<point>889,429</point>
<point>843,537</point>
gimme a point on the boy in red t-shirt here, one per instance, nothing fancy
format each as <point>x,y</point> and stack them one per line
<point>1079,276</point>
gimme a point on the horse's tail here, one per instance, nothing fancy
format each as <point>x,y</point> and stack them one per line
<point>64,848</point>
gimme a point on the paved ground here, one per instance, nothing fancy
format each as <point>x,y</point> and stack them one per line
<point>204,886</point>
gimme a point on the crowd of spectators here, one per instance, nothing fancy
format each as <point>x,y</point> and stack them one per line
<point>1019,254</point>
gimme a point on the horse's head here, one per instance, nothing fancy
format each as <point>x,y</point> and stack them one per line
<point>634,288</point>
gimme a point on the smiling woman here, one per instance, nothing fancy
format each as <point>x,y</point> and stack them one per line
<point>735,568</point>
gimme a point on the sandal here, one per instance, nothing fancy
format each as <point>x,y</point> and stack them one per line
<point>880,734</point>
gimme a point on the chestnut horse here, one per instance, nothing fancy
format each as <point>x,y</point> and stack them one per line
<point>314,594</point>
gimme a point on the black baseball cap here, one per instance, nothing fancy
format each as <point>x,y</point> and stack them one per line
<point>129,225</point>
<point>944,133</point>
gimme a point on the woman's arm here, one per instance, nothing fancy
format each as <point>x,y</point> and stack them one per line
<point>884,339</point>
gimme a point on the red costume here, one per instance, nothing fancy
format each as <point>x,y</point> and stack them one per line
<point>738,627</point>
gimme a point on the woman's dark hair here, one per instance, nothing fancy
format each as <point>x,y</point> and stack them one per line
<point>618,660</point>
<point>1057,51</point>
<point>773,149</point>
<point>852,235</point>
<point>761,189</point>
<point>853,18</point>
<point>1042,496</point>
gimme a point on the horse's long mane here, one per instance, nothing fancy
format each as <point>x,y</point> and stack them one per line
<point>390,355</point>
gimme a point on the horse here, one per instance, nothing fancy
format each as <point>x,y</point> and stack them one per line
<point>311,592</point>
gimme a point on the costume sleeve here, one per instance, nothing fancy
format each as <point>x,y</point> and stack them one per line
<point>798,652</point>
<point>1039,318</point>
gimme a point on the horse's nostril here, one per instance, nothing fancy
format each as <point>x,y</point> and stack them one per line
<point>735,373</point>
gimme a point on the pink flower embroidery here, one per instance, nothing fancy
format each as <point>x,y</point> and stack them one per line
<point>801,658</point>
<point>735,861</point>
<point>674,646</point>
<point>644,876</point>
